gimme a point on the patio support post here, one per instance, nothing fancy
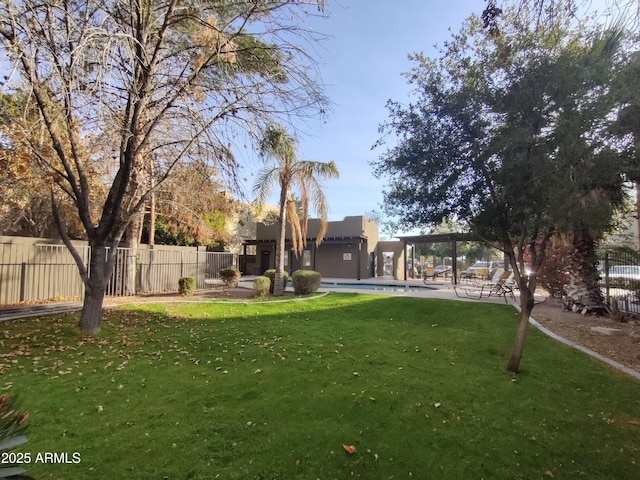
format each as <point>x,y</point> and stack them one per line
<point>359,259</point>
<point>312,253</point>
<point>454,261</point>
<point>244,258</point>
<point>404,261</point>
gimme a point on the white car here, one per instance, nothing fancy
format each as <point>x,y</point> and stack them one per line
<point>472,271</point>
<point>627,272</point>
<point>441,270</point>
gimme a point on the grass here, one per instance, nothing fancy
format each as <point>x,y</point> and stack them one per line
<point>273,391</point>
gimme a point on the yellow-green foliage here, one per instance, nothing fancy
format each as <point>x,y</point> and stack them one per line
<point>271,275</point>
<point>230,276</point>
<point>261,286</point>
<point>187,286</point>
<point>305,281</point>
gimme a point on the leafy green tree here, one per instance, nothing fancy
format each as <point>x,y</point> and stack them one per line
<point>294,178</point>
<point>505,136</point>
<point>120,83</point>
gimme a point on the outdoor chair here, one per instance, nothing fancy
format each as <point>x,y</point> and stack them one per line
<point>500,285</point>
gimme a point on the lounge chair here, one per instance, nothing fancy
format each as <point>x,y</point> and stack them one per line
<point>500,285</point>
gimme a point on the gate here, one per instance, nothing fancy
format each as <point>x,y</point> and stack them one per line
<point>620,279</point>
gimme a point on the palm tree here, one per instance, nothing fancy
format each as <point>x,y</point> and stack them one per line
<point>292,175</point>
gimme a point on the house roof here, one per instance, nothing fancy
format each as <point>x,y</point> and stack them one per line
<point>310,240</point>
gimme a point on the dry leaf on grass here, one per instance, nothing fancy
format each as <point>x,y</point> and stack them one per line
<point>350,449</point>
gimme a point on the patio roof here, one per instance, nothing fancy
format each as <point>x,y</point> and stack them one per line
<point>439,238</point>
<point>309,240</point>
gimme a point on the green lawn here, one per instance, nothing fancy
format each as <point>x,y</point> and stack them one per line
<point>266,391</point>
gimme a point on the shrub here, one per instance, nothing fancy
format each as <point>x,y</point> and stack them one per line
<point>552,274</point>
<point>187,286</point>
<point>271,275</point>
<point>305,281</point>
<point>12,430</point>
<point>261,286</point>
<point>230,277</point>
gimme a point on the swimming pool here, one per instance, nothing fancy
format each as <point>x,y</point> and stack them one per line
<point>388,287</point>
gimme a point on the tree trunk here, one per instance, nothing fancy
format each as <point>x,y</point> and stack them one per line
<point>91,316</point>
<point>131,243</point>
<point>526,307</point>
<point>583,293</point>
<point>139,180</point>
<point>278,281</point>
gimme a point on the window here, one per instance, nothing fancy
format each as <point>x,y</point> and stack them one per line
<point>306,258</point>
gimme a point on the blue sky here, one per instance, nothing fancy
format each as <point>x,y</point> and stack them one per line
<point>361,61</point>
<point>361,64</point>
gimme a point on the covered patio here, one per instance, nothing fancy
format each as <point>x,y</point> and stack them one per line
<point>452,238</point>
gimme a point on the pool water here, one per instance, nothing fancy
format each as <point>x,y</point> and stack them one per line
<point>374,286</point>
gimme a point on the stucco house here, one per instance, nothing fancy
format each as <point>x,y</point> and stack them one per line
<point>348,249</point>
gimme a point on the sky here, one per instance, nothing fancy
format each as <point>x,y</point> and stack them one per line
<point>361,64</point>
<point>361,59</point>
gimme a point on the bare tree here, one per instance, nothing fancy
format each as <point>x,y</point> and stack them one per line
<point>172,79</point>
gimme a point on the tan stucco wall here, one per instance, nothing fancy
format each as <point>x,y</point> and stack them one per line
<point>343,237</point>
<point>398,258</point>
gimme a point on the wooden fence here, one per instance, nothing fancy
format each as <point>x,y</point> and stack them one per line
<point>37,270</point>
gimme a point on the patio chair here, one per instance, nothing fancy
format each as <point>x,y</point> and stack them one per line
<point>499,286</point>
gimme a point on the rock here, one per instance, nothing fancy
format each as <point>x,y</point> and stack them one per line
<point>611,332</point>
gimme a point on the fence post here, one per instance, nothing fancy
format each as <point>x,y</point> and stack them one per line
<point>23,281</point>
<point>606,278</point>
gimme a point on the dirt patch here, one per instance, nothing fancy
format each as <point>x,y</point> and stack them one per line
<point>622,347</point>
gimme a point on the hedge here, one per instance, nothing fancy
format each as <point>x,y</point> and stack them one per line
<point>230,277</point>
<point>186,286</point>
<point>305,281</point>
<point>261,286</point>
<point>271,275</point>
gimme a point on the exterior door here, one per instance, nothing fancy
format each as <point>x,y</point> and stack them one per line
<point>265,261</point>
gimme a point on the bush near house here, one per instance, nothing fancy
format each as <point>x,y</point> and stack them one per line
<point>230,277</point>
<point>186,286</point>
<point>261,286</point>
<point>305,281</point>
<point>271,275</point>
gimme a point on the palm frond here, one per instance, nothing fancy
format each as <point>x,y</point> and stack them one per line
<point>277,143</point>
<point>320,170</point>
<point>265,182</point>
<point>297,240</point>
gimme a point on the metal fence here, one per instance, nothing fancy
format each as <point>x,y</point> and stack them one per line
<point>620,279</point>
<point>159,270</point>
<point>37,272</point>
<point>33,272</point>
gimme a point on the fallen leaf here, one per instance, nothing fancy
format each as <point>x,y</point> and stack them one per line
<point>350,449</point>
<point>548,474</point>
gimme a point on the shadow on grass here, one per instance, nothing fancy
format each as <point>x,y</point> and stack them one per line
<point>274,391</point>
